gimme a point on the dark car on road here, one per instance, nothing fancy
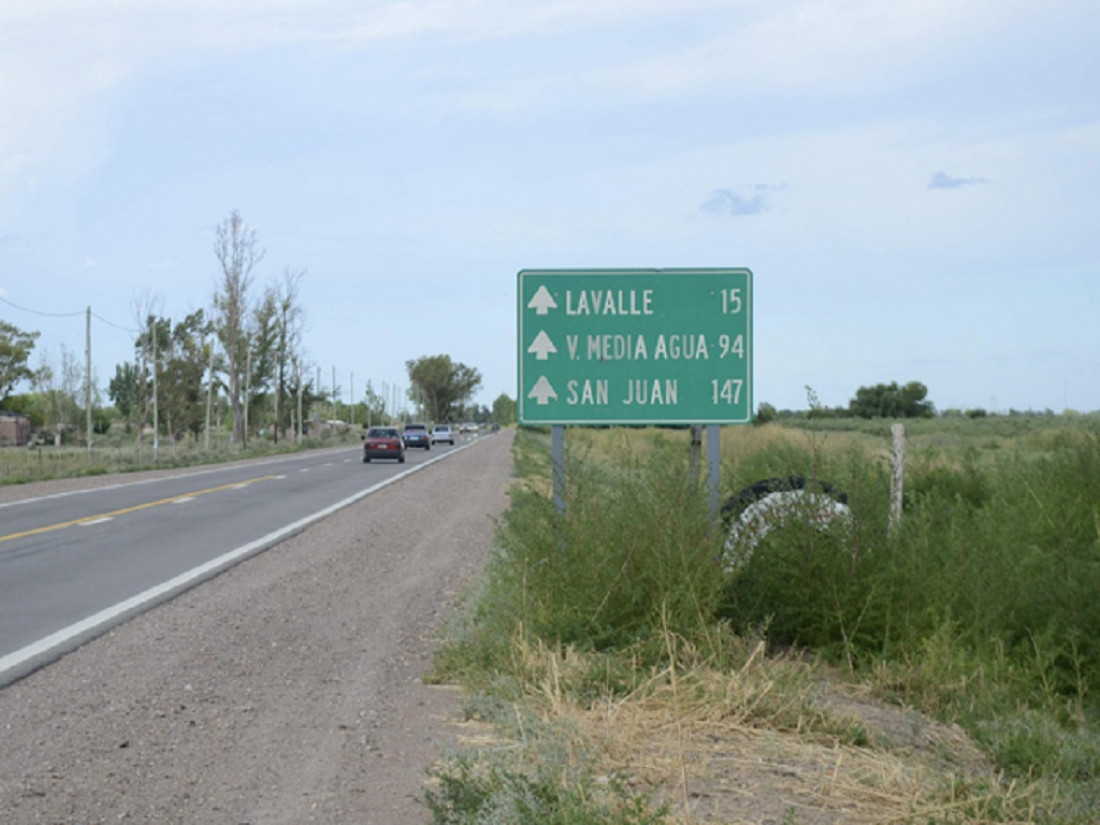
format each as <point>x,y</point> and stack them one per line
<point>383,442</point>
<point>417,435</point>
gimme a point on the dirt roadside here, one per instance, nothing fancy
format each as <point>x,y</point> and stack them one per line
<point>286,690</point>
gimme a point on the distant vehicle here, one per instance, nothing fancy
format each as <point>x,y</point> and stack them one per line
<point>468,427</point>
<point>441,433</point>
<point>383,442</point>
<point>417,435</point>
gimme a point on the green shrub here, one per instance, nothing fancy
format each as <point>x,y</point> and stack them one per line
<point>632,556</point>
<point>481,792</point>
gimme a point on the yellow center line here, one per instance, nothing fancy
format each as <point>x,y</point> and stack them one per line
<point>102,516</point>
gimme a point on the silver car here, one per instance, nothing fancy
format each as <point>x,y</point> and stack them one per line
<point>443,434</point>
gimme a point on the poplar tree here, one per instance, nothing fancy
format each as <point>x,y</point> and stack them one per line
<point>238,255</point>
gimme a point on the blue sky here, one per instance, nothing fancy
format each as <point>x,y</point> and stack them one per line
<point>915,184</point>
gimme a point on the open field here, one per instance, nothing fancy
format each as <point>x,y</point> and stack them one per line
<point>621,670</point>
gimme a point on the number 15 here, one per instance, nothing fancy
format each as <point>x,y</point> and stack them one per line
<point>731,301</point>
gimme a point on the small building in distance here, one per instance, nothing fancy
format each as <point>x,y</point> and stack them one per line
<point>15,429</point>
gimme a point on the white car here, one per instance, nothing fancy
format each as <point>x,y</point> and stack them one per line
<point>441,433</point>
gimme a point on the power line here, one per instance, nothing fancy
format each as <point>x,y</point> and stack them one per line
<point>44,314</point>
<point>95,315</point>
<point>116,326</point>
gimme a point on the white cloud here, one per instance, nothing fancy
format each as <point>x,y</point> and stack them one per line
<point>942,180</point>
<point>729,202</point>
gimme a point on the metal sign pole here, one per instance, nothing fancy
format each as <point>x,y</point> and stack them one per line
<point>714,467</point>
<point>696,450</point>
<point>557,456</point>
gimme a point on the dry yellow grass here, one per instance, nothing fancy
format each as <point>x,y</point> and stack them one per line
<point>773,741</point>
<point>739,443</point>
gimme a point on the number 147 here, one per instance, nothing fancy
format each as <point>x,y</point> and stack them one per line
<point>728,391</point>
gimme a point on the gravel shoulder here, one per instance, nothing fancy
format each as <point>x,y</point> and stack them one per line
<point>286,690</point>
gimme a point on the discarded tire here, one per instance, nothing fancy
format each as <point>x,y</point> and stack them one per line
<point>759,508</point>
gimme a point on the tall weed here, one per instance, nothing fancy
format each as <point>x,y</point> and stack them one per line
<point>632,552</point>
<point>1005,555</point>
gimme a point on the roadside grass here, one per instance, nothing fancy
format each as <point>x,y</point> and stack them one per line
<point>116,454</point>
<point>612,648</point>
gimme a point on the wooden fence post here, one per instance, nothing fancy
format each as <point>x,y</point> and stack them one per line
<point>897,478</point>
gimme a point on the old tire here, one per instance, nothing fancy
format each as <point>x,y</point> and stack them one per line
<point>764,505</point>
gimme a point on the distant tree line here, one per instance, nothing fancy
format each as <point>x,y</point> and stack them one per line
<point>240,365</point>
<point>886,401</point>
<point>237,367</point>
<point>878,401</point>
<point>242,361</point>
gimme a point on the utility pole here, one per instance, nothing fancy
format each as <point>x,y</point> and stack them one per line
<point>209,394</point>
<point>247,388</point>
<point>88,377</point>
<point>156,419</point>
<point>301,426</point>
<point>280,380</point>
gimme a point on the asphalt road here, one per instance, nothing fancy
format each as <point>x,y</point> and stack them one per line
<point>286,690</point>
<point>74,564</point>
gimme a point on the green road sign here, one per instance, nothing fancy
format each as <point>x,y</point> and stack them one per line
<point>641,346</point>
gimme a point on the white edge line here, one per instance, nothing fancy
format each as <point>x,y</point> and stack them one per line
<point>47,644</point>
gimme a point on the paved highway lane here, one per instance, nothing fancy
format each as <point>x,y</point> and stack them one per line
<point>72,565</point>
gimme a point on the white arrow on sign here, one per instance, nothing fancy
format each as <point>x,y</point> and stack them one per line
<point>542,392</point>
<point>542,346</point>
<point>543,301</point>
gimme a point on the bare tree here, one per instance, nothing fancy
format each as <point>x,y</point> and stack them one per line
<point>59,392</point>
<point>44,383</point>
<point>235,248</point>
<point>291,324</point>
<point>73,384</point>
<point>144,308</point>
